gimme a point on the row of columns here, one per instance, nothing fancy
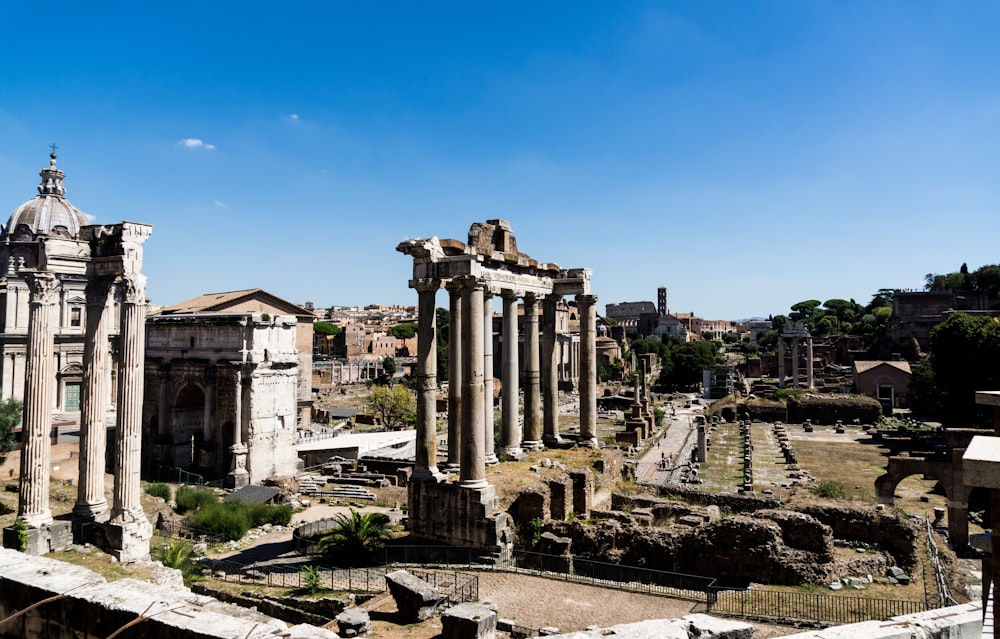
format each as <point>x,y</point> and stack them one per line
<point>470,416</point>
<point>795,362</point>
<point>33,501</point>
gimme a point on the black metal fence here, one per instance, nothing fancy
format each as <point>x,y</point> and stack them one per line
<point>179,530</point>
<point>804,606</point>
<point>458,586</point>
<point>632,578</point>
<point>763,604</point>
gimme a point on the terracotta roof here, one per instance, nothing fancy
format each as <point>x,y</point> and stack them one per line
<point>222,302</point>
<point>863,366</point>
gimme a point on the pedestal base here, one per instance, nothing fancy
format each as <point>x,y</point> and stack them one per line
<point>237,479</point>
<point>459,515</point>
<point>532,445</point>
<point>128,541</point>
<point>57,535</point>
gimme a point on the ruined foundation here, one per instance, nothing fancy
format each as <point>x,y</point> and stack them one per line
<point>460,516</point>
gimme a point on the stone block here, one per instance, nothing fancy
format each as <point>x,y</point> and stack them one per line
<point>469,621</point>
<point>416,600</point>
<point>981,462</point>
<point>354,622</point>
<point>559,490</point>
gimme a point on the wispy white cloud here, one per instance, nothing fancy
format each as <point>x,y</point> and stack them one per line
<point>195,143</point>
<point>219,204</point>
<point>294,116</point>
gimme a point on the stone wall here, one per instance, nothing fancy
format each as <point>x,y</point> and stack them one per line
<point>94,609</point>
<point>459,516</point>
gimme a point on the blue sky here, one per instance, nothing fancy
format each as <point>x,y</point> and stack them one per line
<point>746,155</point>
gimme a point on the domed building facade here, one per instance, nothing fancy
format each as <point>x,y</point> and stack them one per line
<point>45,219</point>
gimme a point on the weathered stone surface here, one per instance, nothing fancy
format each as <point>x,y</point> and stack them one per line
<point>94,608</point>
<point>955,622</point>
<point>416,600</point>
<point>354,622</point>
<point>695,625</point>
<point>551,544</point>
<point>468,621</point>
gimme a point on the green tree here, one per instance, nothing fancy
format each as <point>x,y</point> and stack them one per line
<point>404,331</point>
<point>804,310</point>
<point>685,363</point>
<point>176,554</point>
<point>10,417</point>
<point>357,538</point>
<point>392,404</point>
<point>389,367</point>
<point>326,328</point>
<point>964,352</point>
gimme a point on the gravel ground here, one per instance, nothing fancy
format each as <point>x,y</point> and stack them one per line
<point>536,602</point>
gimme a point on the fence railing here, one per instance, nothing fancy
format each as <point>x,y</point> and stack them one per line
<point>764,604</point>
<point>183,531</point>
<point>804,606</point>
<point>460,587</point>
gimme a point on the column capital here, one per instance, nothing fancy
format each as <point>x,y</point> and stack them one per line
<point>531,298</point>
<point>586,299</point>
<point>512,293</point>
<point>468,283</point>
<point>44,286</point>
<point>133,289</point>
<point>425,284</point>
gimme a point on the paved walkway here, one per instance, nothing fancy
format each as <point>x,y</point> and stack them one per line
<point>673,445</point>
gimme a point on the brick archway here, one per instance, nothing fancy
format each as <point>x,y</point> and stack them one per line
<point>948,473</point>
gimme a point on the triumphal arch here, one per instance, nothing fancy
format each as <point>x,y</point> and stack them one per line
<point>489,264</point>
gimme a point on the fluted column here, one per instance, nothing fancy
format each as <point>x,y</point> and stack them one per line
<point>455,408</point>
<point>532,376</point>
<point>550,372</point>
<point>588,369</point>
<point>473,462</point>
<point>208,441</point>
<point>238,475</point>
<point>90,499</point>
<point>128,432</point>
<point>795,362</point>
<point>781,362</point>
<point>510,432</point>
<point>488,425</point>
<point>425,464</point>
<point>33,498</point>
<point>809,363</point>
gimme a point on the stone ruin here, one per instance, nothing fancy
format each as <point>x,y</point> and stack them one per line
<point>468,512</point>
<point>110,258</point>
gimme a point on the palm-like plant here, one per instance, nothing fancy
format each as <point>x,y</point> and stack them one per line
<point>176,554</point>
<point>356,538</point>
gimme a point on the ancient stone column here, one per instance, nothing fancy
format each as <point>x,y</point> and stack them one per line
<point>128,432</point>
<point>702,444</point>
<point>809,364</point>
<point>488,421</point>
<point>532,376</point>
<point>208,443</point>
<point>425,464</point>
<point>33,498</point>
<point>90,499</point>
<point>510,438</point>
<point>588,369</point>
<point>795,362</point>
<point>550,372</point>
<point>781,362</point>
<point>473,462</point>
<point>238,475</point>
<point>455,409</point>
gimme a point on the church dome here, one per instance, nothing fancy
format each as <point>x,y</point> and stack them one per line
<point>48,213</point>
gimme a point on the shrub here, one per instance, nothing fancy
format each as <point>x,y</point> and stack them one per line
<point>830,490</point>
<point>159,490</point>
<point>229,520</point>
<point>190,498</point>
<point>311,580</point>
<point>276,515</point>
